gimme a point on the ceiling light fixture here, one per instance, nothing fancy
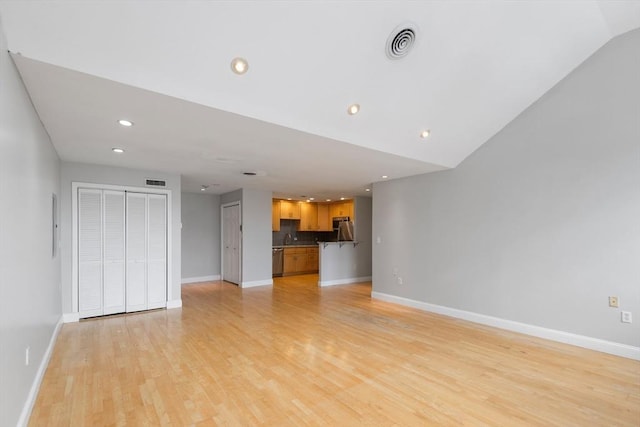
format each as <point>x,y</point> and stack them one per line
<point>117,150</point>
<point>367,189</point>
<point>328,200</point>
<point>288,198</point>
<point>341,198</point>
<point>239,65</point>
<point>384,177</point>
<point>204,187</point>
<point>353,109</point>
<point>425,133</point>
<point>125,123</point>
<point>311,198</point>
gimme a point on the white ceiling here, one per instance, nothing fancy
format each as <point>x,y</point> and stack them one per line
<point>166,66</point>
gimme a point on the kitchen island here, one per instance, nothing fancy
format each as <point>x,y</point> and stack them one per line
<point>344,262</point>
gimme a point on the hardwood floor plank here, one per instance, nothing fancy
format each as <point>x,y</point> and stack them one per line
<point>295,354</point>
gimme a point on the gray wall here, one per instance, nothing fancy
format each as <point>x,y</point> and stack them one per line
<point>80,172</point>
<point>256,235</point>
<point>542,223</point>
<point>256,232</point>
<point>29,274</point>
<point>200,235</point>
<point>362,229</point>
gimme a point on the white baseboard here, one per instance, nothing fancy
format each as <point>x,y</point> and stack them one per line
<point>70,317</point>
<point>597,344</point>
<point>346,281</point>
<point>188,280</point>
<point>174,303</point>
<point>35,386</point>
<point>255,283</point>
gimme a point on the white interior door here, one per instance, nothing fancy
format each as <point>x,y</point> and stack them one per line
<point>156,251</point>
<point>231,244</point>
<point>114,252</point>
<point>136,236</point>
<point>89,252</point>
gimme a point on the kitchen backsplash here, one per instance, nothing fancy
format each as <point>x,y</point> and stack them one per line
<point>289,226</point>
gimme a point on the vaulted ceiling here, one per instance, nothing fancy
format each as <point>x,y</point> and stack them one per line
<point>165,66</point>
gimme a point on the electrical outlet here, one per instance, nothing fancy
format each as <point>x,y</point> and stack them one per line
<point>400,281</point>
<point>613,302</point>
<point>626,317</point>
<point>26,356</point>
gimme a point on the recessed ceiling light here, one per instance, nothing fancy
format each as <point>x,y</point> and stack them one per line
<point>311,198</point>
<point>353,109</point>
<point>288,198</point>
<point>117,150</point>
<point>308,200</point>
<point>384,177</point>
<point>328,200</point>
<point>425,133</point>
<point>341,198</point>
<point>367,189</point>
<point>125,123</point>
<point>204,187</point>
<point>239,65</point>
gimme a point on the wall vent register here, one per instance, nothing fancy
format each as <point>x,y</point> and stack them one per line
<point>155,183</point>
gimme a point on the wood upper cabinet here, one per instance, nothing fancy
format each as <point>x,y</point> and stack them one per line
<point>275,215</point>
<point>344,208</point>
<point>324,219</point>
<point>289,209</point>
<point>308,217</point>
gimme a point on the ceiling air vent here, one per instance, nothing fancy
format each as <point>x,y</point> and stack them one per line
<point>155,183</point>
<point>401,40</point>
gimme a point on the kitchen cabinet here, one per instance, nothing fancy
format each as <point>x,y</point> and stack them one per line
<point>344,208</point>
<point>324,219</point>
<point>300,260</point>
<point>275,215</point>
<point>308,217</point>
<point>289,209</point>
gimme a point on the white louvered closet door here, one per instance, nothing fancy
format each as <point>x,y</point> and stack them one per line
<point>114,252</point>
<point>89,252</point>
<point>136,252</point>
<point>157,251</point>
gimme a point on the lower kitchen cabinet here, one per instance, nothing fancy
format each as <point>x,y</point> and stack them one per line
<point>300,261</point>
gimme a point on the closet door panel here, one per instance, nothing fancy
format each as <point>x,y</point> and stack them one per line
<point>89,252</point>
<point>157,251</point>
<point>136,237</point>
<point>114,251</point>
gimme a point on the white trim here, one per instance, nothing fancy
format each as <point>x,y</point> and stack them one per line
<point>35,386</point>
<point>345,281</point>
<point>255,283</point>
<point>175,303</point>
<point>187,280</point>
<point>70,317</point>
<point>597,344</point>
<point>74,232</point>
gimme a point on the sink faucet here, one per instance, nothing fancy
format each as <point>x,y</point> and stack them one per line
<point>287,239</point>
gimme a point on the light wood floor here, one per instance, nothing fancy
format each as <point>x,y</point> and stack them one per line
<point>298,355</point>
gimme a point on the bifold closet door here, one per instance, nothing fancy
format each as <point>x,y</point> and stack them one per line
<point>114,252</point>
<point>136,252</point>
<point>156,251</point>
<point>89,252</point>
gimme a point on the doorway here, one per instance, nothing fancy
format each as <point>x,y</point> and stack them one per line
<point>231,243</point>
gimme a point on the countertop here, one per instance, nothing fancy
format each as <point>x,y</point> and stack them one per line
<point>304,245</point>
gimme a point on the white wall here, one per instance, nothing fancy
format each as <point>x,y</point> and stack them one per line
<point>29,275</point>
<point>96,174</point>
<point>542,223</point>
<point>200,236</point>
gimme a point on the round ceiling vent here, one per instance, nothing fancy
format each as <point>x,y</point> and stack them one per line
<point>401,40</point>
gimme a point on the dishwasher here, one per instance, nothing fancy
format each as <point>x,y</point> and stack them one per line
<point>278,262</point>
